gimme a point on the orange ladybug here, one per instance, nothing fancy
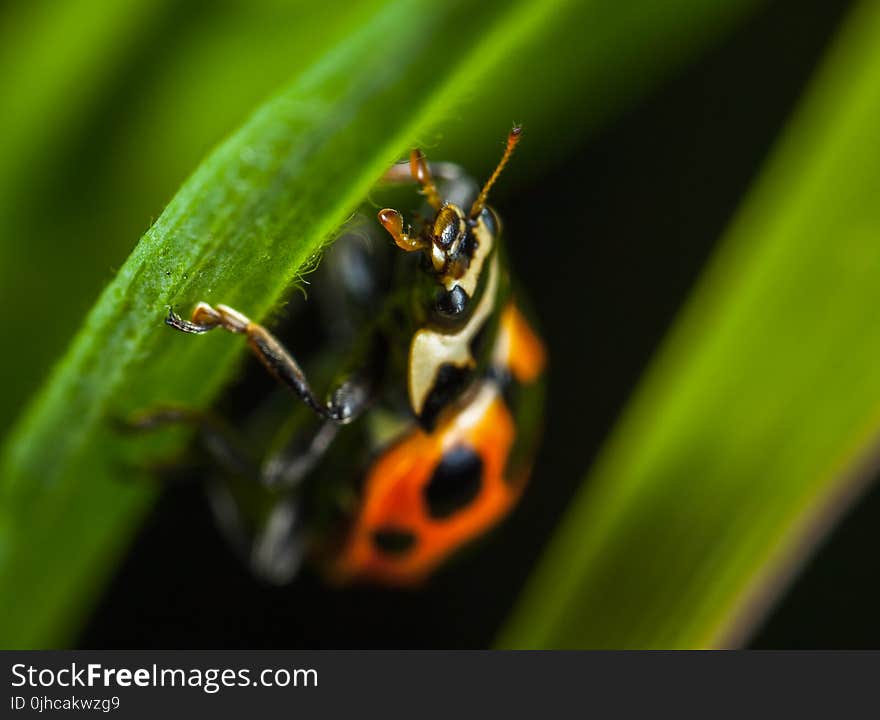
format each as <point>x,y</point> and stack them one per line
<point>426,438</point>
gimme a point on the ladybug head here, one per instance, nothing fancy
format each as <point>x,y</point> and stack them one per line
<point>441,240</point>
<point>444,239</point>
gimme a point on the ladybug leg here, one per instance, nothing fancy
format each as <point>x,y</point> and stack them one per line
<point>288,467</point>
<point>418,170</point>
<point>421,173</point>
<point>405,172</point>
<point>403,237</point>
<point>366,367</point>
<point>344,404</point>
<point>272,544</point>
<point>457,186</point>
<point>218,439</point>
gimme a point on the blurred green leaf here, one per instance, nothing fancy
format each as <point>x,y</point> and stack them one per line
<point>753,426</point>
<point>59,57</point>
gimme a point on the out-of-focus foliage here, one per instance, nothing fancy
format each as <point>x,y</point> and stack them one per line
<point>58,60</point>
<point>119,115</point>
<point>750,430</point>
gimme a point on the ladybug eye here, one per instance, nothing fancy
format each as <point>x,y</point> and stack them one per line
<point>447,235</point>
<point>449,229</point>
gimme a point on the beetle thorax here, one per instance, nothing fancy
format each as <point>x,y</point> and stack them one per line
<point>441,359</point>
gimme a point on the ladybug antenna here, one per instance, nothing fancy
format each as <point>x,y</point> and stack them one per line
<point>480,203</point>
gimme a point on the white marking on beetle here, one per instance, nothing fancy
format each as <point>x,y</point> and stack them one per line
<point>431,349</point>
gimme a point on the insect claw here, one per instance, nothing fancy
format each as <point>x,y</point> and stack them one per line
<point>178,323</point>
<point>172,318</point>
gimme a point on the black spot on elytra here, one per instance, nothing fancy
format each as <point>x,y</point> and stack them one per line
<point>450,381</point>
<point>456,481</point>
<point>393,541</point>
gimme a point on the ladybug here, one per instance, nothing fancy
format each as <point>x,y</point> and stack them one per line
<point>426,438</point>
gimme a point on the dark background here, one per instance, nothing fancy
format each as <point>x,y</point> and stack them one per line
<point>181,587</point>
